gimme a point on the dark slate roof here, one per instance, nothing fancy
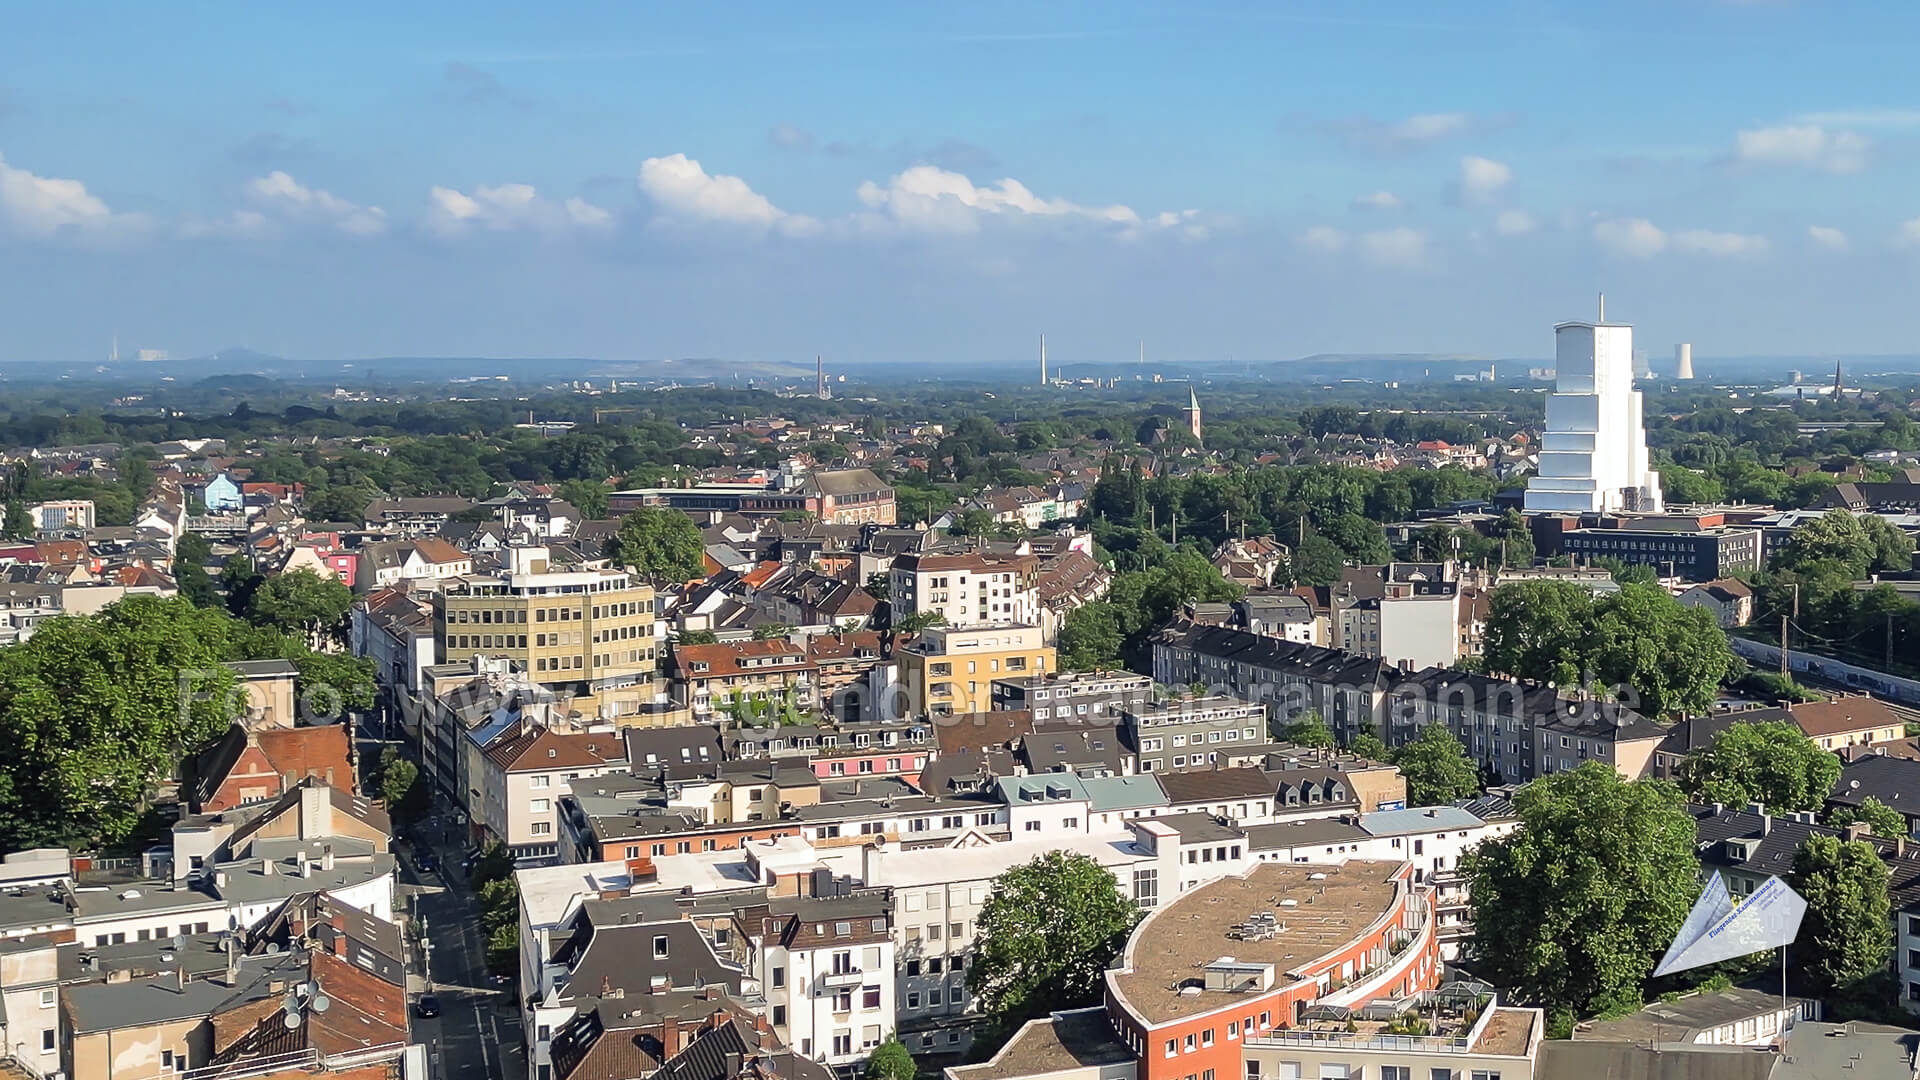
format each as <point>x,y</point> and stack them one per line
<point>1893,780</point>
<point>1778,838</point>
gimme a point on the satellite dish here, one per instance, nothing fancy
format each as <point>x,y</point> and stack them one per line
<point>273,949</point>
<point>179,942</point>
<point>321,1003</point>
<point>292,1021</point>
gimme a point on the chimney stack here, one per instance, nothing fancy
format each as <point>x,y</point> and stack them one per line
<point>326,857</point>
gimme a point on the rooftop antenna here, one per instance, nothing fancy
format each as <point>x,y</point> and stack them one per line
<point>1603,308</point>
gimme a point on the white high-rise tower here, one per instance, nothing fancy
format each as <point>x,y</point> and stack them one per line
<point>1594,455</point>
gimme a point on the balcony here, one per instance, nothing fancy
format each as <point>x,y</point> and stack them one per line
<point>842,978</point>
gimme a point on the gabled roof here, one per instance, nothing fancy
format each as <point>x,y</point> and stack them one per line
<point>528,747</point>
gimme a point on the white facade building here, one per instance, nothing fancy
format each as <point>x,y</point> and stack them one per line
<point>1594,455</point>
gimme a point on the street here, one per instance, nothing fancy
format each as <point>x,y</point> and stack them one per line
<point>477,1034</point>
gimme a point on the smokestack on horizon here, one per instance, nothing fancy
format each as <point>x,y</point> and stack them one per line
<point>1683,361</point>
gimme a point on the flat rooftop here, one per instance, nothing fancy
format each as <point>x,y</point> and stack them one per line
<point>1081,1038</point>
<point>1334,904</point>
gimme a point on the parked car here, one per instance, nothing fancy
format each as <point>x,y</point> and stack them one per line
<point>426,1007</point>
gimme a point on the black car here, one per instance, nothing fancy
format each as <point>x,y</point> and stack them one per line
<point>427,1007</point>
<point>426,862</point>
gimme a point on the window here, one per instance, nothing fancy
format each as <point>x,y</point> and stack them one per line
<point>842,1043</point>
<point>1289,1070</point>
<point>869,997</point>
<point>1233,1029</point>
<point>1206,1037</point>
<point>1486,1074</point>
<point>1253,1070</point>
<point>1335,1071</point>
<point>843,1000</point>
<point>1070,823</point>
<point>842,963</point>
<point>934,996</point>
<point>660,946</point>
<point>934,964</point>
<point>46,999</point>
<point>541,828</point>
<point>1188,1046</point>
<point>1032,826</point>
<point>539,781</point>
<point>1172,1049</point>
<point>46,1041</point>
<point>778,977</point>
<point>913,999</point>
<point>1396,1072</point>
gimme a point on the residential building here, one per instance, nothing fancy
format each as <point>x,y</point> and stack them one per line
<point>523,771</point>
<point>423,563</point>
<point>1285,994</point>
<point>420,515</point>
<point>1840,724</point>
<point>826,962</point>
<point>965,589</point>
<point>62,514</point>
<point>579,631</point>
<point>1192,733</point>
<point>254,765</point>
<point>950,669</point>
<point>743,678</point>
<point>1729,600</point>
<point>1091,697</point>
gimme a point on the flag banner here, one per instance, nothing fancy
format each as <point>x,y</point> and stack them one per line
<point>1720,929</point>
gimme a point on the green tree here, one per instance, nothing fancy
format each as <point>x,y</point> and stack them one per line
<point>1891,549</point>
<point>919,621</point>
<point>1047,933</point>
<point>661,544</point>
<point>1847,933</point>
<point>238,582</point>
<point>1772,763</point>
<point>1834,537</point>
<point>302,602</point>
<point>1307,728</point>
<point>495,863</point>
<point>878,586</point>
<point>1436,767</point>
<point>1090,638</point>
<point>399,783</point>
<point>1884,820</point>
<point>587,496</point>
<point>1571,910</point>
<point>1672,658</point>
<point>503,949</point>
<point>891,1061</point>
<point>974,523</point>
<point>190,558</point>
<point>696,637</point>
<point>769,631</point>
<point>1369,746</point>
<point>19,523</point>
<point>94,711</point>
<point>1318,561</point>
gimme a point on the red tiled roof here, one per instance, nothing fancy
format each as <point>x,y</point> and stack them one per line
<point>532,748</point>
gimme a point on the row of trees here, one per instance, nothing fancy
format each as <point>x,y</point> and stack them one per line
<point>1103,634</point>
<point>1812,582</point>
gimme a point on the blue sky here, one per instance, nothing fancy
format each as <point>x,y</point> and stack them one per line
<point>939,183</point>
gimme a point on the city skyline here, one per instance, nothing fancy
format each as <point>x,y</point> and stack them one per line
<point>939,187</point>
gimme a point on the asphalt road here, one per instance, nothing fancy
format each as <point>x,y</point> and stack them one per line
<point>477,1034</point>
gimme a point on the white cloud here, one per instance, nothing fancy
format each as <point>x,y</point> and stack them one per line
<point>1482,178</point>
<point>1513,223</point>
<point>1724,244</point>
<point>1379,200</point>
<point>508,206</point>
<point>1324,238</point>
<point>681,188</point>
<point>929,197</point>
<point>1809,146</point>
<point>239,223</point>
<point>1908,235</point>
<point>1427,127</point>
<point>1394,247</point>
<point>291,199</point>
<point>1636,237</point>
<point>44,205</point>
<point>1827,237</point>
